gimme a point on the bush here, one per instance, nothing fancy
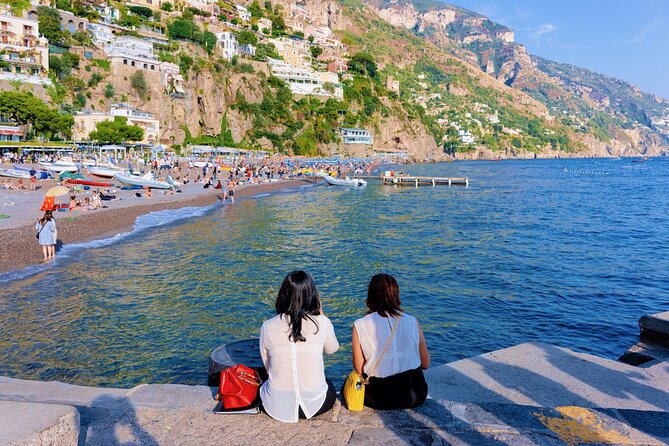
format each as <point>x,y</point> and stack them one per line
<point>167,7</point>
<point>95,79</point>
<point>138,83</point>
<point>142,11</point>
<point>109,91</point>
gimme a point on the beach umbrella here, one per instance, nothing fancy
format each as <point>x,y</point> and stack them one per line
<point>57,191</point>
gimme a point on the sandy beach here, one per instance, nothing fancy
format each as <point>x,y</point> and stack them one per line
<point>19,248</point>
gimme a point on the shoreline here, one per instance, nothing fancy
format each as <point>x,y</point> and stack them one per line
<point>19,248</point>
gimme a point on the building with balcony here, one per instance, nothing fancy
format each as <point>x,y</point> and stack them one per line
<point>171,78</point>
<point>9,130</point>
<point>133,52</point>
<point>23,54</point>
<point>228,42</point>
<point>294,52</point>
<point>306,82</point>
<point>356,136</point>
<point>84,122</point>
<point>102,35</point>
<point>243,13</point>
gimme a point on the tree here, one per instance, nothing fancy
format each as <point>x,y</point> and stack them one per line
<point>116,131</point>
<point>27,110</point>
<point>246,37</point>
<point>316,51</point>
<point>109,91</point>
<point>62,65</point>
<point>182,29</point>
<point>142,11</point>
<point>167,7</point>
<point>79,101</point>
<point>49,24</point>
<point>207,40</point>
<point>255,9</point>
<point>363,63</point>
<point>138,83</point>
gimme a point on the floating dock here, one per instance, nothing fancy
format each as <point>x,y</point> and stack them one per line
<point>424,181</point>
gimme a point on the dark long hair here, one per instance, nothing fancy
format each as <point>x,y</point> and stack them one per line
<point>383,296</point>
<point>47,217</point>
<point>298,299</point>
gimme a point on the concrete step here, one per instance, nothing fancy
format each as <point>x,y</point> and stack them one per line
<point>38,424</point>
<point>655,329</point>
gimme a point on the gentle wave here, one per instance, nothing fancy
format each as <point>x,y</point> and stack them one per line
<point>151,220</point>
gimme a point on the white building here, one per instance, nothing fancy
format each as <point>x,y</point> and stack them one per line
<point>228,42</point>
<point>108,13</point>
<point>305,82</point>
<point>243,13</point>
<point>133,52</point>
<point>466,137</point>
<point>102,35</point>
<point>84,122</point>
<point>356,136</point>
<point>24,53</point>
<point>171,78</point>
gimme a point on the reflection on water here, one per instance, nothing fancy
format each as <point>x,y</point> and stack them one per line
<point>530,251</point>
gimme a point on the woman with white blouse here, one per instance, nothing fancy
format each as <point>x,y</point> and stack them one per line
<point>292,344</point>
<point>389,348</point>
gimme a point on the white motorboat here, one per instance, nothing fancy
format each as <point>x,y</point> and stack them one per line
<point>58,168</point>
<point>144,181</point>
<point>14,173</point>
<point>332,181</point>
<point>103,171</point>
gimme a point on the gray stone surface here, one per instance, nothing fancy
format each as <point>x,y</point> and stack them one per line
<point>38,424</point>
<point>543,375</point>
<point>519,396</point>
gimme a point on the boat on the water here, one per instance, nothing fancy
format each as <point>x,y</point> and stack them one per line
<point>332,181</point>
<point>14,173</point>
<point>641,160</point>
<point>144,181</point>
<point>104,171</point>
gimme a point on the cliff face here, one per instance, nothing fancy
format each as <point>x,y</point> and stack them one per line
<point>582,95</point>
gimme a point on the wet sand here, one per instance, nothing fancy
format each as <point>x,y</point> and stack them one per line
<point>19,247</point>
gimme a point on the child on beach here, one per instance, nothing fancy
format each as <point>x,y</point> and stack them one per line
<point>47,235</point>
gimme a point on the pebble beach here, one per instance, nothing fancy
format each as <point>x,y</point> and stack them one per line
<point>21,209</point>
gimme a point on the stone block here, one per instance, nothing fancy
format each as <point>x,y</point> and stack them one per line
<point>33,424</point>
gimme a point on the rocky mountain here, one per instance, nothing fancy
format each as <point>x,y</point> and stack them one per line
<point>620,115</point>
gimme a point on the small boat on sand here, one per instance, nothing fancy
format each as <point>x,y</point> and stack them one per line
<point>87,182</point>
<point>144,181</point>
<point>58,168</point>
<point>103,171</point>
<point>14,173</point>
<point>344,181</point>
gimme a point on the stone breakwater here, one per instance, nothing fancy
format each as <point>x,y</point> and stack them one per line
<point>531,393</point>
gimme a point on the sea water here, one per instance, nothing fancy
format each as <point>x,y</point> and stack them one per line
<point>569,252</point>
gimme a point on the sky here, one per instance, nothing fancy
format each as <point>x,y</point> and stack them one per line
<point>624,39</point>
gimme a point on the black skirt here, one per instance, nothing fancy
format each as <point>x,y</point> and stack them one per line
<point>400,391</point>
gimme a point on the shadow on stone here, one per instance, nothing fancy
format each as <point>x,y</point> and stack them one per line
<point>112,421</point>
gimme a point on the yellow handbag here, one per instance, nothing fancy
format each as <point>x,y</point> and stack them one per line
<point>354,387</point>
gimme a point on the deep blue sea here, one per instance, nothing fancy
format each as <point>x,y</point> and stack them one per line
<point>569,252</point>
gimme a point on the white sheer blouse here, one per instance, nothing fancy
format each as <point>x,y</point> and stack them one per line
<point>295,369</point>
<point>403,352</point>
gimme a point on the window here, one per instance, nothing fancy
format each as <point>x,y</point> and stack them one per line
<point>125,61</point>
<point>132,63</point>
<point>145,66</point>
<point>153,67</point>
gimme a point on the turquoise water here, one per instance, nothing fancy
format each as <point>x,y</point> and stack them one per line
<point>570,252</point>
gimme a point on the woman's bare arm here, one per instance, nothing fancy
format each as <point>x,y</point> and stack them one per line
<point>422,347</point>
<point>358,357</point>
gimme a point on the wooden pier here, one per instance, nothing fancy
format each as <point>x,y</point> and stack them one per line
<point>424,181</point>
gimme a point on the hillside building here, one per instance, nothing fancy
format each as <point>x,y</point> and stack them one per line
<point>243,13</point>
<point>264,24</point>
<point>25,55</point>
<point>101,34</point>
<point>228,42</point>
<point>294,52</point>
<point>84,122</point>
<point>306,82</point>
<point>171,78</point>
<point>9,130</point>
<point>392,85</point>
<point>133,52</point>
<point>356,136</point>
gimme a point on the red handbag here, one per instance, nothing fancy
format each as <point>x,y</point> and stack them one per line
<point>239,387</point>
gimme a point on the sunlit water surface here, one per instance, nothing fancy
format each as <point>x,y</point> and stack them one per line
<point>570,252</point>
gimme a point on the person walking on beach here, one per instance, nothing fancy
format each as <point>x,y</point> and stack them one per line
<point>231,191</point>
<point>47,235</point>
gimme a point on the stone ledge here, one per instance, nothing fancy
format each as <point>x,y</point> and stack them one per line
<point>38,424</point>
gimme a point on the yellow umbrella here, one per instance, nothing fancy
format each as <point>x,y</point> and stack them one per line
<point>57,191</point>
